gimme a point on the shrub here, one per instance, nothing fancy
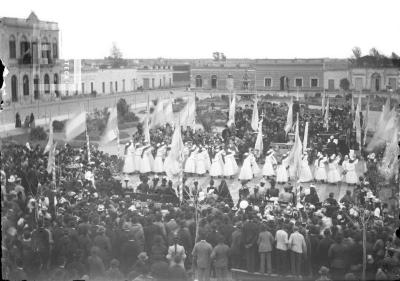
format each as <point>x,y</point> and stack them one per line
<point>178,100</point>
<point>58,126</point>
<point>38,133</point>
<point>317,95</point>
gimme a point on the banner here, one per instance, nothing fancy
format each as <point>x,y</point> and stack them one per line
<point>75,126</point>
<point>51,137</point>
<point>232,111</point>
<point>289,118</point>
<point>305,138</point>
<point>259,141</point>
<point>111,132</point>
<point>254,118</point>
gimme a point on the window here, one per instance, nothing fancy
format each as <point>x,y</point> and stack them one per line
<point>111,87</point>
<point>199,82</point>
<point>214,81</point>
<point>46,50</point>
<point>83,88</point>
<point>25,82</point>
<point>163,81</point>
<point>14,88</point>
<point>26,51</point>
<point>298,82</point>
<point>116,86</point>
<point>160,83</point>
<point>55,50</point>
<point>56,84</point>
<point>230,76</point>
<point>91,87</point>
<point>314,82</point>
<point>46,84</point>
<point>123,85</point>
<point>267,82</point>
<point>170,82</point>
<point>331,84</point>
<point>36,87</point>
<point>103,86</point>
<point>13,50</point>
<point>153,82</point>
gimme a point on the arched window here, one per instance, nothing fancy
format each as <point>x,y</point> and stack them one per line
<point>199,82</point>
<point>13,47</point>
<point>36,87</point>
<point>214,81</point>
<point>25,85</point>
<point>56,89</point>
<point>55,49</point>
<point>46,50</point>
<point>46,84</point>
<point>26,52</point>
<point>14,88</point>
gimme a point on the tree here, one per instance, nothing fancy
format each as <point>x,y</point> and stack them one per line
<point>216,56</point>
<point>344,84</point>
<point>356,57</point>
<point>223,57</point>
<point>116,57</point>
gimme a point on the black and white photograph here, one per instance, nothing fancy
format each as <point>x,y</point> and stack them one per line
<point>211,140</point>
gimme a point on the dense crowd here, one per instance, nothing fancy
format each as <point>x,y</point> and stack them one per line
<point>82,222</point>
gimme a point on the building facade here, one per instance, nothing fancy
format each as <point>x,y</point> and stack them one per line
<point>374,79</point>
<point>30,51</point>
<point>236,78</point>
<point>181,75</point>
<point>289,74</point>
<point>155,77</point>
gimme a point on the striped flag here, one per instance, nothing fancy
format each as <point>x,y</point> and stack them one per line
<point>232,110</point>
<point>289,118</point>
<point>111,132</point>
<point>254,118</point>
<point>51,138</point>
<point>305,138</point>
<point>75,126</point>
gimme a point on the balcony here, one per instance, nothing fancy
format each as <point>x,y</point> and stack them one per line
<point>28,60</point>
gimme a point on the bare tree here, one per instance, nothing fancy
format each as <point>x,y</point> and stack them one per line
<point>356,52</point>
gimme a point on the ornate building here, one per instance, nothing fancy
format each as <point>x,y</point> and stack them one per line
<point>30,50</point>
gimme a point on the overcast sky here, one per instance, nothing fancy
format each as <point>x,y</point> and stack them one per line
<point>197,28</point>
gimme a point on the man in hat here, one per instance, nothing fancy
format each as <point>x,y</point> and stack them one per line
<point>272,191</point>
<point>143,187</point>
<point>286,196</point>
<point>237,246</point>
<point>202,255</point>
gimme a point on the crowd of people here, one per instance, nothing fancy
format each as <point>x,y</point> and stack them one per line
<point>81,222</point>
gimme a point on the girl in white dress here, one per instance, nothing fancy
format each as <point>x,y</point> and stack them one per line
<point>333,176</point>
<point>146,165</point>
<point>254,165</point>
<point>217,165</point>
<point>138,156</point>
<point>305,170</point>
<point>281,171</point>
<point>158,161</point>
<point>270,161</point>
<point>201,165</point>
<point>246,172</point>
<point>190,164</point>
<point>320,169</point>
<point>207,158</point>
<point>129,163</point>
<point>230,166</point>
<point>351,175</point>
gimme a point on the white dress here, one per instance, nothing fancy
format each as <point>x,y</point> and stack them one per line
<point>129,162</point>
<point>281,171</point>
<point>254,166</point>
<point>268,168</point>
<point>190,164</point>
<point>201,165</point>
<point>230,166</point>
<point>351,175</point>
<point>138,158</point>
<point>147,161</point>
<point>320,170</point>
<point>246,172</point>
<point>333,172</point>
<point>171,166</point>
<point>305,170</point>
<point>217,165</point>
<point>207,159</point>
<point>158,161</point>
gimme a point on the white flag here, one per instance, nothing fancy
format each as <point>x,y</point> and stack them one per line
<point>168,112</point>
<point>157,118</point>
<point>254,118</point>
<point>188,114</point>
<point>111,132</point>
<point>305,138</point>
<point>232,110</point>
<point>289,118</point>
<point>75,126</point>
<point>258,147</point>
<point>51,137</point>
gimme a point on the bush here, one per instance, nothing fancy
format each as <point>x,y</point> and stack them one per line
<point>38,133</point>
<point>58,126</point>
<point>124,115</point>
<point>178,100</point>
<point>317,95</point>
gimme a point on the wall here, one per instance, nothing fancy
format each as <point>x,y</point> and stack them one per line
<point>222,75</point>
<point>335,75</point>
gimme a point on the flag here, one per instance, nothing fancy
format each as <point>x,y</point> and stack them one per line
<point>157,117</point>
<point>389,164</point>
<point>51,138</point>
<point>75,126</point>
<point>176,145</point>
<point>305,138</point>
<point>146,129</point>
<point>51,161</point>
<point>254,118</point>
<point>259,141</point>
<point>88,146</point>
<point>188,114</point>
<point>232,110</point>
<point>352,106</point>
<point>323,104</point>
<point>365,124</point>
<point>357,120</point>
<point>296,151</point>
<point>168,112</point>
<point>386,123</point>
<point>111,132</point>
<point>326,121</point>
<point>289,118</point>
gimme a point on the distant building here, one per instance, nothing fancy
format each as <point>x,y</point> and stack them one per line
<point>181,75</point>
<point>30,50</point>
<point>155,77</point>
<point>290,75</point>
<point>374,79</point>
<point>217,77</point>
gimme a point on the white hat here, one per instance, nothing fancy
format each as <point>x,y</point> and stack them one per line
<point>11,179</point>
<point>333,156</point>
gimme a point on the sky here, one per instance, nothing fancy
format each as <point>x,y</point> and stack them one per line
<point>197,28</point>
